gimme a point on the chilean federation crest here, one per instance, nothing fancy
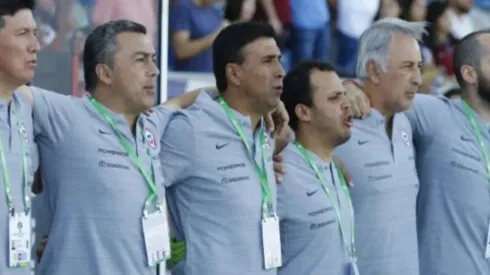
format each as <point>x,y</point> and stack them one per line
<point>405,138</point>
<point>23,132</point>
<point>150,139</point>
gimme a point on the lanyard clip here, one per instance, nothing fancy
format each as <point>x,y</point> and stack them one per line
<point>12,211</point>
<point>267,210</point>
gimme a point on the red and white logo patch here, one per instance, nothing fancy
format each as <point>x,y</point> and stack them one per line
<point>23,132</point>
<point>150,139</point>
<point>405,138</point>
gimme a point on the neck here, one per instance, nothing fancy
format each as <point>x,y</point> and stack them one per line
<point>117,106</point>
<point>377,100</point>
<point>481,106</point>
<point>7,90</point>
<point>242,105</point>
<point>315,143</point>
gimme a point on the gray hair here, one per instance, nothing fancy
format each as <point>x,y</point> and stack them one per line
<point>374,43</point>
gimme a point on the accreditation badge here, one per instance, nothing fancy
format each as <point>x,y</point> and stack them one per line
<point>271,242</point>
<point>487,246</point>
<point>156,234</point>
<point>20,231</point>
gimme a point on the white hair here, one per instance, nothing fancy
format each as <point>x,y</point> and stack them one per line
<point>374,43</point>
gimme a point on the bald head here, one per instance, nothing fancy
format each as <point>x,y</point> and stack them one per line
<point>469,51</point>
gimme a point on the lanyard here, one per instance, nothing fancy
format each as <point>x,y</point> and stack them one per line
<point>350,246</point>
<point>6,176</point>
<point>132,154</point>
<point>476,130</point>
<point>262,173</point>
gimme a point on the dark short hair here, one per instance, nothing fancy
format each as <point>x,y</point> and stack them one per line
<point>101,46</point>
<point>468,51</point>
<point>297,87</point>
<point>229,45</point>
<point>11,7</point>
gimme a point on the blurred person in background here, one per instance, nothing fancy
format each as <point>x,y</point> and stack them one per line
<point>354,17</point>
<point>57,23</point>
<point>239,10</point>
<point>389,8</point>
<point>194,24</point>
<point>274,12</point>
<point>413,10</point>
<point>278,14</point>
<point>438,39</point>
<point>461,23</point>
<point>143,12</point>
<point>310,30</point>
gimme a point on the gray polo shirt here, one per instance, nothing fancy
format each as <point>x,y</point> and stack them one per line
<point>13,157</point>
<point>454,200</point>
<point>95,192</point>
<point>310,235</point>
<point>384,195</point>
<point>213,193</point>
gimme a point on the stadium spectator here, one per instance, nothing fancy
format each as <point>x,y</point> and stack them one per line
<point>354,17</point>
<point>141,11</point>
<point>413,10</point>
<point>390,8</point>
<point>438,39</point>
<point>310,30</point>
<point>194,24</point>
<point>239,10</point>
<point>459,17</point>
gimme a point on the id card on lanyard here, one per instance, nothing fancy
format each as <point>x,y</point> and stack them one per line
<point>155,225</point>
<point>271,240</point>
<point>20,229</point>
<point>476,130</point>
<point>349,245</point>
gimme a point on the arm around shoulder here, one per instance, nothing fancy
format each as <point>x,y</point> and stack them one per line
<point>177,153</point>
<point>426,115</point>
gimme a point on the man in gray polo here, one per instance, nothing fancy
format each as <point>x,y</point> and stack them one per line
<point>100,165</point>
<point>217,161</point>
<point>380,154</point>
<point>452,139</point>
<point>18,152</point>
<point>313,200</point>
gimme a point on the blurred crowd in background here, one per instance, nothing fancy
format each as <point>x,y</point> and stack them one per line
<point>327,30</point>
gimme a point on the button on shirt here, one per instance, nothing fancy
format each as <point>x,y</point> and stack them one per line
<point>214,194</point>
<point>454,200</point>
<point>9,132</point>
<point>384,195</point>
<point>310,234</point>
<point>96,193</point>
